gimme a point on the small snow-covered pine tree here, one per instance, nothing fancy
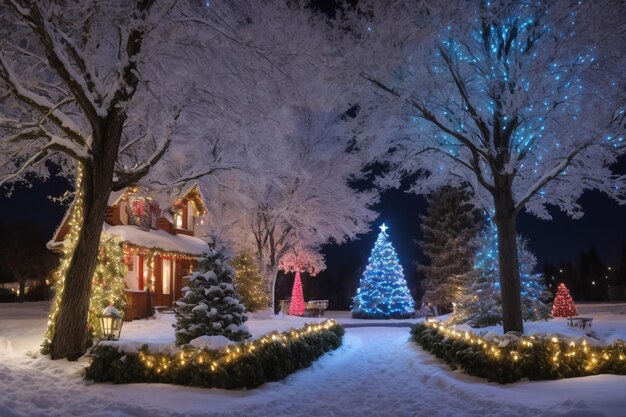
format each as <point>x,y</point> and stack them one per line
<point>448,228</point>
<point>480,302</point>
<point>209,305</point>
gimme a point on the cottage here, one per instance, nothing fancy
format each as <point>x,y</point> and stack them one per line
<point>160,245</point>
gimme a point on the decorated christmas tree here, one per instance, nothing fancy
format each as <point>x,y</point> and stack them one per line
<point>107,288</point>
<point>249,283</point>
<point>479,304</point>
<point>209,305</point>
<point>563,305</point>
<point>383,291</point>
<point>297,306</point>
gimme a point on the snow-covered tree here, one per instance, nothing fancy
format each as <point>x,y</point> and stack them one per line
<point>155,92</point>
<point>479,301</point>
<point>523,99</point>
<point>449,226</point>
<point>296,192</point>
<point>383,292</point>
<point>302,259</point>
<point>210,305</point>
<point>97,88</point>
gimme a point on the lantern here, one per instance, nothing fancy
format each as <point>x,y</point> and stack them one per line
<point>111,323</point>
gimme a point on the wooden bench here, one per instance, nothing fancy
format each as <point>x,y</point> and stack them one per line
<point>581,322</point>
<point>315,308</point>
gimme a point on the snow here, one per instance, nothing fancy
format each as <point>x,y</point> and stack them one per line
<point>377,372</point>
<point>211,342</point>
<point>116,196</point>
<point>158,239</point>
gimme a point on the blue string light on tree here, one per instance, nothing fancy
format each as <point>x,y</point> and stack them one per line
<point>383,293</point>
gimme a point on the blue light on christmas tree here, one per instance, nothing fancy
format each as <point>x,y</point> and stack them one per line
<point>383,293</point>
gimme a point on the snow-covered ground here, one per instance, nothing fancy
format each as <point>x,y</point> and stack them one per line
<point>377,372</point>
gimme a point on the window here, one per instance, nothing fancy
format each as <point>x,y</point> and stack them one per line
<point>139,212</point>
<point>178,220</point>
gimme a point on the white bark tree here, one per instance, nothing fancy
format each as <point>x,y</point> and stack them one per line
<point>296,192</point>
<point>97,86</point>
<point>522,100</point>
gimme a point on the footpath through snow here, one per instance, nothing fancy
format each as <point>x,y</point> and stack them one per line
<point>377,372</point>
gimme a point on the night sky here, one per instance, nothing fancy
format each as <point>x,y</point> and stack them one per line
<point>562,239</point>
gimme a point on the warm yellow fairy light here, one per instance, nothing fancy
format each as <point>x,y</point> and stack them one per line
<point>75,222</point>
<point>592,357</point>
<point>231,354</point>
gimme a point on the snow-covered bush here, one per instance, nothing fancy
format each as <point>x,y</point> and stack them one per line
<point>210,305</point>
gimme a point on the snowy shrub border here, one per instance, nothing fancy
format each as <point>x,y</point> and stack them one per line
<point>245,365</point>
<point>510,358</point>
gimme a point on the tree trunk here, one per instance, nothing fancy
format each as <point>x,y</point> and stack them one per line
<point>69,339</point>
<point>508,261</point>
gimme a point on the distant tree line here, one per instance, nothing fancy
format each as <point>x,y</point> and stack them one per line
<point>24,259</point>
<point>589,279</point>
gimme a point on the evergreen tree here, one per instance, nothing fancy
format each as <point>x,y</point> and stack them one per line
<point>621,274</point>
<point>448,227</point>
<point>479,305</point>
<point>592,273</point>
<point>383,292</point>
<point>550,273</point>
<point>108,284</point>
<point>249,283</point>
<point>209,305</point>
<point>563,304</point>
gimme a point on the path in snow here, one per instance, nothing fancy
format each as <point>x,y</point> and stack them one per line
<point>378,372</point>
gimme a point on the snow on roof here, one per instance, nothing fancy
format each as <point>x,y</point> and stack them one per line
<point>158,239</point>
<point>191,192</point>
<point>116,196</point>
<point>55,241</point>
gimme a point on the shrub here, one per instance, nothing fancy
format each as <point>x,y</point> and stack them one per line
<point>245,365</point>
<point>510,358</point>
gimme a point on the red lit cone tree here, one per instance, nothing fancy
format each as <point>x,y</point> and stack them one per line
<point>563,305</point>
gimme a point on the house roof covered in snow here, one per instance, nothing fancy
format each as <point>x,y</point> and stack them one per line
<point>157,239</point>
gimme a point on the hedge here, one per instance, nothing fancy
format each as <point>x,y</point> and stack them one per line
<point>246,365</point>
<point>510,358</point>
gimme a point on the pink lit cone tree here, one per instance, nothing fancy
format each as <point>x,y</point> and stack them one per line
<point>563,305</point>
<point>297,306</point>
<point>301,259</point>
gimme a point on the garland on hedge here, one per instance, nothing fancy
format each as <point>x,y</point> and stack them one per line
<point>246,365</point>
<point>509,358</point>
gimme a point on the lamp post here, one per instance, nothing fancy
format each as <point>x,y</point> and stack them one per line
<point>111,323</point>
